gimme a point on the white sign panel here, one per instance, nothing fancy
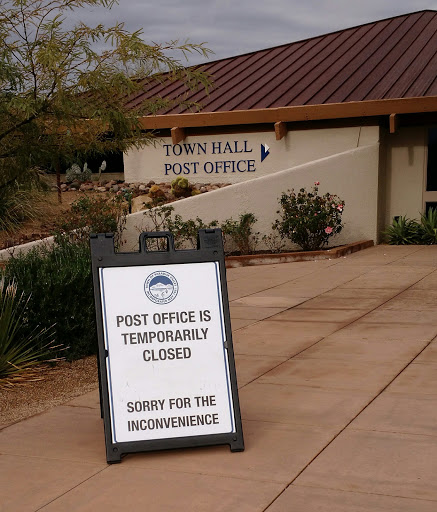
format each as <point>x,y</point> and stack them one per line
<point>167,365</point>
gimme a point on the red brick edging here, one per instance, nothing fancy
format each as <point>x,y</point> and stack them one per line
<point>288,257</point>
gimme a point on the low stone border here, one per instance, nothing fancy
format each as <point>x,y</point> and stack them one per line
<point>288,257</point>
<point>240,261</point>
<point>136,188</point>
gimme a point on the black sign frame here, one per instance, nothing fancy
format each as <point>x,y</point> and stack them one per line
<point>209,249</point>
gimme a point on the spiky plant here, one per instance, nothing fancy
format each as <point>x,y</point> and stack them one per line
<point>18,204</point>
<point>19,354</point>
<point>428,223</point>
<point>403,231</point>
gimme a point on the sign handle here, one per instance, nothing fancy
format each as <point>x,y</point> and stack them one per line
<point>144,237</point>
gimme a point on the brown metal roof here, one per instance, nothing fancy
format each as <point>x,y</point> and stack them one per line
<point>387,59</point>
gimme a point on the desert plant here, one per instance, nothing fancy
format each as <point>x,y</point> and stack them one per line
<point>428,225</point>
<point>101,169</point>
<point>185,231</point>
<point>157,194</point>
<point>309,219</point>
<point>240,234</point>
<point>274,242</point>
<point>75,173</point>
<point>57,279</point>
<point>20,349</point>
<point>403,231</point>
<point>17,204</point>
<point>125,194</point>
<point>93,215</point>
<point>157,218</point>
<point>180,187</point>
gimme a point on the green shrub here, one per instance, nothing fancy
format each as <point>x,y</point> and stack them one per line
<point>240,234</point>
<point>57,279</point>
<point>93,215</point>
<point>20,351</point>
<point>308,219</point>
<point>428,224</point>
<point>403,231</point>
<point>274,242</point>
<point>185,231</point>
<point>158,218</point>
<point>59,285</point>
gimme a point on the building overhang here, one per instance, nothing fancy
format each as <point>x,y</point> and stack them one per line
<point>391,108</point>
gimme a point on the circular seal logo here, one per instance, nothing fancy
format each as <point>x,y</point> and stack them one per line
<point>161,287</point>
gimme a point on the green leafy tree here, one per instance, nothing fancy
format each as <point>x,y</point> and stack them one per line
<point>66,90</point>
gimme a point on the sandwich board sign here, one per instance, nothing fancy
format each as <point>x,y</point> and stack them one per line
<point>166,363</point>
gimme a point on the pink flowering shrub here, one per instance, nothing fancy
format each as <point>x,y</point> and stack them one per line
<point>308,219</point>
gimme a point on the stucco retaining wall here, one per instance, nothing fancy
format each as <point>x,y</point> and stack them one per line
<point>352,175</point>
<point>5,254</point>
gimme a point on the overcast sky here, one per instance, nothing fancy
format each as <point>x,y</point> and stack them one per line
<point>232,27</point>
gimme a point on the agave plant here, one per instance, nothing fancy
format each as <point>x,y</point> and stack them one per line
<point>403,231</point>
<point>18,354</point>
<point>429,226</point>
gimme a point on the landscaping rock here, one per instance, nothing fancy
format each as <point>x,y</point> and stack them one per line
<point>139,201</point>
<point>135,188</point>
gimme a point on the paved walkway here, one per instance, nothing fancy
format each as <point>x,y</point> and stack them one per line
<point>337,369</point>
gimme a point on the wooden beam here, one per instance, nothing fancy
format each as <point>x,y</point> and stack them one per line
<point>177,135</point>
<point>394,123</point>
<point>280,130</point>
<point>369,108</point>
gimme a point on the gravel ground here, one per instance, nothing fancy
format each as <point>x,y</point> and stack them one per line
<point>58,385</point>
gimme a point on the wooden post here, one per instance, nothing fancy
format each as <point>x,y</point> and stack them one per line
<point>394,123</point>
<point>280,130</point>
<point>177,135</point>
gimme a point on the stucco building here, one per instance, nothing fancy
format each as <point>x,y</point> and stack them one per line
<point>354,109</point>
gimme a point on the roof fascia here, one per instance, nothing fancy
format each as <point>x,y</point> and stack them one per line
<point>369,108</point>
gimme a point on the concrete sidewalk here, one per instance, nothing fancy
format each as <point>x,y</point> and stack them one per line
<point>337,370</point>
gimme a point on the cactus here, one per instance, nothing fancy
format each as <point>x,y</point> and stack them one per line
<point>156,193</point>
<point>180,187</point>
<point>75,173</point>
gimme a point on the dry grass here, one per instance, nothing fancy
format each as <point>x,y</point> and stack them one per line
<point>49,387</point>
<point>49,211</point>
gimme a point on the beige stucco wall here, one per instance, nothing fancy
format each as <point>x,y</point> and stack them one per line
<point>297,147</point>
<point>352,175</point>
<point>405,166</point>
<point>378,180</point>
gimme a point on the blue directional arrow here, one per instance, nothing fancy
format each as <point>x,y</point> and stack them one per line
<point>265,151</point>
